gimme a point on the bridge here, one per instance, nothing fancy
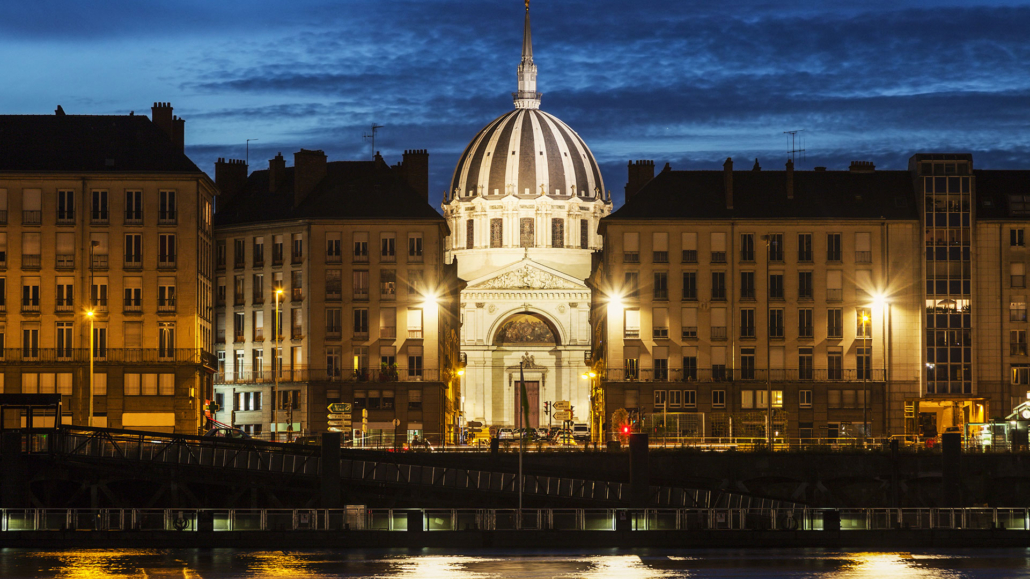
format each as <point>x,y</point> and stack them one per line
<point>79,467</point>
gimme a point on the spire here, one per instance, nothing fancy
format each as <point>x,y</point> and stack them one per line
<point>527,97</point>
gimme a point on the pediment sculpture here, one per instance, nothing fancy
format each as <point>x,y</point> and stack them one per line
<point>527,277</point>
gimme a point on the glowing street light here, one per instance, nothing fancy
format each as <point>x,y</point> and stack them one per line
<point>277,362</point>
<point>89,419</point>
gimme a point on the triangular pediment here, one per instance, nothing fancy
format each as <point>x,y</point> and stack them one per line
<point>527,274</point>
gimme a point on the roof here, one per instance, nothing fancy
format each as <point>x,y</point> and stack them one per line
<point>350,190</point>
<point>763,195</point>
<point>88,144</point>
<point>995,190</point>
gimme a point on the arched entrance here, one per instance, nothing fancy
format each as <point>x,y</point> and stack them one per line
<point>529,330</point>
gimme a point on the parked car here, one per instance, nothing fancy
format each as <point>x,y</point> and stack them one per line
<point>581,431</point>
<point>506,434</point>
<point>542,434</point>
<point>227,433</point>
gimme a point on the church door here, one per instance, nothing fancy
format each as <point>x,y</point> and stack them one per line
<point>533,395</point>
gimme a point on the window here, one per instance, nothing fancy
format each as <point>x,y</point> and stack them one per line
<point>690,398</point>
<point>166,211</point>
<point>359,283</point>
<point>659,399</point>
<point>239,324</point>
<point>660,357</point>
<point>220,254</point>
<point>719,286</point>
<point>632,320</point>
<point>166,384</point>
<point>1020,374</point>
<point>630,247</point>
<point>258,288</point>
<point>718,398</point>
<point>64,340</point>
<point>804,247</point>
<point>259,251</point>
<point>660,290</point>
<point>631,360</point>
<point>747,323</point>
<point>277,250</point>
<point>689,243</point>
<point>388,284</point>
<point>3,249</point>
<point>863,324</point>
<point>747,285</point>
<point>805,398</point>
<point>133,250</point>
<point>65,250</point>
<point>415,362</point>
<point>805,363</point>
<point>776,247</point>
<point>776,286</point>
<point>66,293</point>
<point>333,323</point>
<point>690,286</point>
<point>415,248</point>
<point>776,323</point>
<point>688,323</point>
<point>1016,238</point>
<point>166,340</point>
<point>3,299</point>
<point>690,363</point>
<point>333,284</point>
<point>361,322</point>
<point>834,323</point>
<point>660,247</point>
<point>832,247</point>
<point>834,363</point>
<point>239,296</point>
<point>258,325</point>
<point>1017,274</point>
<point>805,323</point>
<point>297,248</point>
<point>718,241</point>
<point>98,294</point>
<point>165,294</point>
<point>660,323</point>
<point>631,284</point>
<point>297,285</point>
<point>133,294</point>
<point>863,248</point>
<point>718,363</point>
<point>805,285</point>
<point>747,247</point>
<point>584,234</point>
<point>415,283</point>
<point>496,232</point>
<point>527,236</point>
<point>675,398</point>
<point>835,285</point>
<point>1017,310</point>
<point>133,207</point>
<point>247,401</point>
<point>30,294</point>
<point>65,207</point>
<point>296,323</point>
<point>1017,343</point>
<point>98,208</point>
<point>747,363</point>
<point>557,232</point>
<point>415,323</point>
<point>360,246</point>
<point>166,250</point>
<point>864,359</point>
<point>717,322</point>
<point>470,234</point>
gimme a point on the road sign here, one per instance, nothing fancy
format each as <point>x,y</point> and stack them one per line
<point>338,415</point>
<point>563,415</point>
<point>475,424</point>
<point>337,423</point>
<point>340,407</point>
<point>561,405</point>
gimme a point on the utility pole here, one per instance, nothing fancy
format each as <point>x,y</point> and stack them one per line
<point>248,149</point>
<point>768,362</point>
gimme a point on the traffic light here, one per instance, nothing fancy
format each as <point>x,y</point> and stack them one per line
<point>547,408</point>
<point>625,430</point>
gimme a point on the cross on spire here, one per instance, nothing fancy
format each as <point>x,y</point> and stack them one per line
<point>527,97</point>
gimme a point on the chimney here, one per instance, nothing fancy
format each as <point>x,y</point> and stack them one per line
<point>415,170</point>
<point>790,179</point>
<point>757,167</point>
<point>309,168</point>
<point>161,116</point>
<point>862,167</point>
<point>727,181</point>
<point>276,172</point>
<point>230,178</point>
<point>179,133</point>
<point>640,173</point>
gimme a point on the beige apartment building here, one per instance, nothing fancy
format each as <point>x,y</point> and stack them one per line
<point>367,308</point>
<point>105,223</point>
<point>843,298</point>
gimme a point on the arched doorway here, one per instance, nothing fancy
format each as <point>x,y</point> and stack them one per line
<point>528,330</point>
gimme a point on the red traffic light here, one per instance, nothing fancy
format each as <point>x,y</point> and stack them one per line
<point>625,429</point>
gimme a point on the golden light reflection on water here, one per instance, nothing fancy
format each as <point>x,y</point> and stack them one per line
<point>883,565</point>
<point>621,566</point>
<point>442,567</point>
<point>108,564</point>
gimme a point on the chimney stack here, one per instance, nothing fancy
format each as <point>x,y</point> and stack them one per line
<point>862,167</point>
<point>790,179</point>
<point>174,127</point>
<point>640,173</point>
<point>179,133</point>
<point>309,168</point>
<point>727,181</point>
<point>276,172</point>
<point>230,178</point>
<point>415,170</point>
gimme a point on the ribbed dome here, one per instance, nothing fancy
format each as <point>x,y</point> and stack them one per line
<point>527,152</point>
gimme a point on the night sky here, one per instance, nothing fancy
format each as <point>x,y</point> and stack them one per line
<point>676,81</point>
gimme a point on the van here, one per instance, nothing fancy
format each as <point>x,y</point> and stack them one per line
<point>581,431</point>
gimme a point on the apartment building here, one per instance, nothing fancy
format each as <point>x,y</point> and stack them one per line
<point>349,256</point>
<point>106,224</point>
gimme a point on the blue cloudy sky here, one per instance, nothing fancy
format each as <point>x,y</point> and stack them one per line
<point>681,81</point>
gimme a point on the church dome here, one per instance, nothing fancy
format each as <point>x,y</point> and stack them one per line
<point>527,152</point>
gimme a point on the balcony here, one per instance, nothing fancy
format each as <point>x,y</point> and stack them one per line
<point>361,334</point>
<point>863,257</point>
<point>277,257</point>
<point>746,255</point>
<point>259,261</point>
<point>718,294</point>
<point>66,217</point>
<point>238,338</point>
<point>804,257</point>
<point>747,331</point>
<point>98,218</point>
<point>31,217</point>
<point>834,295</point>
<point>239,264</point>
<point>257,298</point>
<point>31,261</point>
<point>3,308</point>
<point>166,261</point>
<point>689,332</point>
<point>805,332</point>
<point>30,308</point>
<point>106,355</point>
<point>660,257</point>
<point>388,332</point>
<point>165,306</point>
<point>133,307</point>
<point>361,294</point>
<point>631,257</point>
<point>239,300</point>
<point>689,256</point>
<point>134,218</point>
<point>852,376</point>
<point>414,334</point>
<point>718,257</point>
<point>333,333</point>
<point>333,295</point>
<point>1017,348</point>
<point>296,258</point>
<point>659,332</point>
<point>361,258</point>
<point>632,333</point>
<point>166,217</point>
<point>415,258</point>
<point>100,306</point>
<point>833,256</point>
<point>133,262</point>
<point>805,294</point>
<point>388,258</point>
<point>65,261</point>
<point>718,332</point>
<point>250,375</point>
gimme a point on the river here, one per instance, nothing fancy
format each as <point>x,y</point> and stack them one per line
<point>434,564</point>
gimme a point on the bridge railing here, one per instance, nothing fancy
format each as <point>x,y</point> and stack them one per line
<point>359,518</point>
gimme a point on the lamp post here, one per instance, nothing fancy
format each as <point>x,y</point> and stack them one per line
<point>867,366</point>
<point>596,405</point>
<point>89,419</point>
<point>768,362</point>
<point>879,302</point>
<point>277,360</point>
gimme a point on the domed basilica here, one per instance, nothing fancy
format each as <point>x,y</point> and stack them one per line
<point>523,208</point>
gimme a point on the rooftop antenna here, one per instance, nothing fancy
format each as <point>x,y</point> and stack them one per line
<point>796,140</point>
<point>372,136</point>
<point>248,150</point>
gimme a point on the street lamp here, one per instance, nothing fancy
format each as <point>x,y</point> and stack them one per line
<point>768,360</point>
<point>89,419</point>
<point>867,367</point>
<point>880,302</point>
<point>277,360</point>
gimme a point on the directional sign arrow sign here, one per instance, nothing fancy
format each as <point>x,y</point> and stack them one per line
<point>565,415</point>
<point>338,407</point>
<point>561,405</point>
<point>338,416</point>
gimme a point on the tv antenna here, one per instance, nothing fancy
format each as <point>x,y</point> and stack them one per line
<point>796,140</point>
<point>248,149</point>
<point>372,136</point>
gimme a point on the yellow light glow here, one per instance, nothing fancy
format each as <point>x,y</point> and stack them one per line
<point>461,372</point>
<point>879,300</point>
<point>593,375</point>
<point>865,317</point>
<point>584,376</point>
<point>279,291</point>
<point>89,313</point>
